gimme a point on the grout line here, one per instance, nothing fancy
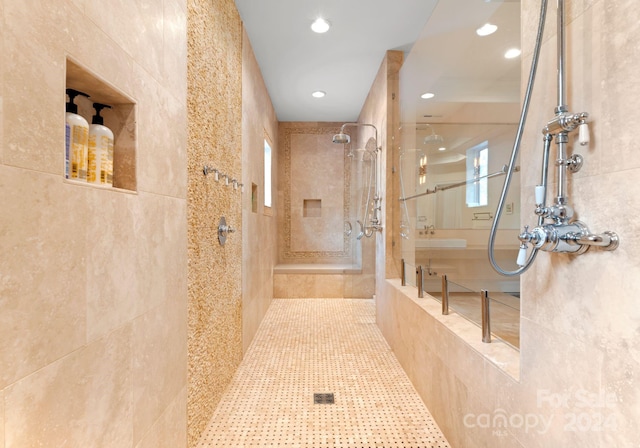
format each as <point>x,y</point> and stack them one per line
<point>317,346</point>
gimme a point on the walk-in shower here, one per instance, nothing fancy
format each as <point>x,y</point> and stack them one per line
<point>368,218</point>
<point>556,229</point>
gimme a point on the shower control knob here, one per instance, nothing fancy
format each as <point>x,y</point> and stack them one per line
<point>540,194</point>
<point>525,237</point>
<point>574,163</point>
<point>522,255</point>
<point>223,230</point>
<point>583,134</point>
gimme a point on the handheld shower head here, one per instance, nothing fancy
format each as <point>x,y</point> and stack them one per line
<point>341,138</point>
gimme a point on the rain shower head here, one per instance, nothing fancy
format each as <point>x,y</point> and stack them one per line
<point>433,138</point>
<point>341,138</point>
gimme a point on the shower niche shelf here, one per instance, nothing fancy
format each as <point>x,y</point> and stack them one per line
<point>121,119</point>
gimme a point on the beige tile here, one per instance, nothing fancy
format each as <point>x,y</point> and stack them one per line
<point>112,64</point>
<point>619,409</point>
<point>79,4</point>
<point>301,285</point>
<point>280,285</point>
<point>159,373</point>
<point>3,58</point>
<point>115,294</point>
<point>170,430</point>
<point>308,149</point>
<point>160,257</point>
<point>38,40</point>
<point>307,346</point>
<point>601,274</point>
<point>43,288</point>
<point>329,286</point>
<point>136,27</point>
<point>2,444</point>
<point>35,137</point>
<point>162,136</point>
<point>175,49</point>
<point>76,401</point>
<point>541,348</point>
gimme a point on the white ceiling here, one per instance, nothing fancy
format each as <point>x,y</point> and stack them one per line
<point>342,62</point>
<point>447,57</point>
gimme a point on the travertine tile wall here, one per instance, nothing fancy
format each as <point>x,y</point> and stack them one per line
<point>93,290</point>
<point>260,237</point>
<point>583,311</point>
<point>382,110</point>
<point>579,359</point>
<point>311,166</point>
<point>214,80</point>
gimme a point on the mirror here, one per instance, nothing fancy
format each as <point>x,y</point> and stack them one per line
<point>459,110</point>
<point>463,173</point>
<point>457,142</point>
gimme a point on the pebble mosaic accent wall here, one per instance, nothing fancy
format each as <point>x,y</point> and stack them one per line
<point>214,102</point>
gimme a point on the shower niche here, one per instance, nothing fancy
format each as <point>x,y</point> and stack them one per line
<point>120,119</point>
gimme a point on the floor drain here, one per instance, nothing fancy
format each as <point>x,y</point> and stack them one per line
<point>323,399</point>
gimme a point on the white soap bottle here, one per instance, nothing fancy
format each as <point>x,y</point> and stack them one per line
<point>77,140</point>
<point>100,168</point>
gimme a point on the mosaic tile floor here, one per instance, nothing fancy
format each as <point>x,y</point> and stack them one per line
<point>321,346</point>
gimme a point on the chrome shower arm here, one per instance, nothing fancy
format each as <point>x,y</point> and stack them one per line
<point>361,124</point>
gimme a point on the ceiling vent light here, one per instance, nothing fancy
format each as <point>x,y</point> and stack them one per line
<point>318,94</point>
<point>512,53</point>
<point>320,26</point>
<point>486,29</point>
<point>428,95</point>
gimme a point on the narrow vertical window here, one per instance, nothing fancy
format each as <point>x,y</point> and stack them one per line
<point>267,174</point>
<point>477,171</point>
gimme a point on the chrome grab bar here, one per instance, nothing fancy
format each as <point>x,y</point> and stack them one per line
<point>438,188</point>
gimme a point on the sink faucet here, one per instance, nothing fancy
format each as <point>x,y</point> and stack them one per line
<point>429,270</point>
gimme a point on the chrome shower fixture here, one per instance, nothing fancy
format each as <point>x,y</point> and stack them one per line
<point>556,230</point>
<point>342,138</point>
<point>370,221</point>
<point>433,137</point>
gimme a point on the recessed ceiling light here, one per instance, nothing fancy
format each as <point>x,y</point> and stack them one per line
<point>426,96</point>
<point>320,25</point>
<point>318,94</point>
<point>512,53</point>
<point>442,148</point>
<point>486,29</point>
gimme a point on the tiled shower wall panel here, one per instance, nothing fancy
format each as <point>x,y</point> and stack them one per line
<point>260,237</point>
<point>312,167</point>
<point>381,108</point>
<point>580,315</point>
<point>214,100</point>
<point>93,290</point>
